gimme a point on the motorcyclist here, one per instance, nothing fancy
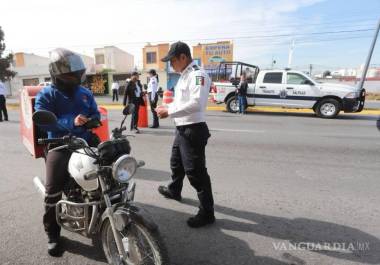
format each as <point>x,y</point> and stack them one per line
<point>73,105</point>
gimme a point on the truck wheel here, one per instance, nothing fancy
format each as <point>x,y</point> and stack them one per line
<point>232,104</point>
<point>328,108</point>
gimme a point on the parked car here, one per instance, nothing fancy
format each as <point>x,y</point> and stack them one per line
<point>285,88</point>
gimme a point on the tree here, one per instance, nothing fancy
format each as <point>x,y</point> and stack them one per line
<point>5,73</point>
<point>326,73</point>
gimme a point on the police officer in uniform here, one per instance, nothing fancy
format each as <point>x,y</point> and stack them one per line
<point>73,105</point>
<point>188,150</point>
<point>153,96</point>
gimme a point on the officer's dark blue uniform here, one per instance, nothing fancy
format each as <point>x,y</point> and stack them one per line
<point>66,108</point>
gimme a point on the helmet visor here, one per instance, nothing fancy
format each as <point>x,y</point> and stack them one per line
<point>65,63</point>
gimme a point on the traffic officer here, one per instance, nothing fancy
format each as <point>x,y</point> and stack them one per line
<point>73,105</point>
<point>188,150</point>
<point>153,96</point>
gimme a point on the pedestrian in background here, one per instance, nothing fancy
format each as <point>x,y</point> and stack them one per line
<point>153,96</point>
<point>242,93</point>
<point>115,91</point>
<point>134,94</point>
<point>3,106</point>
<point>192,133</point>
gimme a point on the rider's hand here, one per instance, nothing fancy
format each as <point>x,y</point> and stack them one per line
<point>80,120</point>
<point>162,112</point>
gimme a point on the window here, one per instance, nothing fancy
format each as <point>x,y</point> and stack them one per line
<point>296,79</point>
<point>151,57</point>
<point>30,82</point>
<point>273,78</point>
<point>99,58</point>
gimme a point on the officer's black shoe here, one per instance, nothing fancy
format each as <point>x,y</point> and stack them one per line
<point>201,219</point>
<point>53,246</point>
<point>154,126</point>
<point>168,194</point>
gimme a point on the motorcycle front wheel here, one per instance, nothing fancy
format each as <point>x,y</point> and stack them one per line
<point>143,247</point>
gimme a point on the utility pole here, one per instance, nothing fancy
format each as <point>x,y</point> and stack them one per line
<point>364,74</point>
<point>291,53</point>
<point>273,62</point>
<point>310,69</point>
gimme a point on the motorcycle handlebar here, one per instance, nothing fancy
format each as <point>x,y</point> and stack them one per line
<point>44,141</point>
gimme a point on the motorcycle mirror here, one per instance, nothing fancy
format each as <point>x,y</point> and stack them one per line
<point>129,109</point>
<point>44,117</point>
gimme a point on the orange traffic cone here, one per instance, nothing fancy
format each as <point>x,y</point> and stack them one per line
<point>103,131</point>
<point>143,114</point>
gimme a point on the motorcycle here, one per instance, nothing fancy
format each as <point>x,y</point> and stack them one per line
<point>98,199</point>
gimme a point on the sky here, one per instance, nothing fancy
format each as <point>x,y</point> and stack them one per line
<point>329,34</point>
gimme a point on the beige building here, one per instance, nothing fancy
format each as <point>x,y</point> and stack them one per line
<point>113,58</point>
<point>211,54</point>
<point>33,69</point>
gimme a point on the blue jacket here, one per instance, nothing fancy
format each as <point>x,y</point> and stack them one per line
<point>66,109</point>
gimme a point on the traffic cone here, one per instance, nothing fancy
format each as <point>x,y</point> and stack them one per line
<point>143,114</point>
<point>103,132</point>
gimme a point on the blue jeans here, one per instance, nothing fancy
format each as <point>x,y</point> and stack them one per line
<point>242,103</point>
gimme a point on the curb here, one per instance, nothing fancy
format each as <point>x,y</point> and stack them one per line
<point>220,108</point>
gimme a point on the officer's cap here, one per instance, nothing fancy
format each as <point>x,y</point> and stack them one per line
<point>176,49</point>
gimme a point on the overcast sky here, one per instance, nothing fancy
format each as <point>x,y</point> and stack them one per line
<point>327,34</point>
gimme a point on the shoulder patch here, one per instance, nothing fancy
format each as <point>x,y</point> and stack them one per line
<point>199,81</point>
<point>196,67</point>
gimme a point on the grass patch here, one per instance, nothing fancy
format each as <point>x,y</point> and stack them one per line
<point>372,96</point>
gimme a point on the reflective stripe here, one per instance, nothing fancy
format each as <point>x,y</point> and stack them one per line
<point>50,204</point>
<point>53,195</point>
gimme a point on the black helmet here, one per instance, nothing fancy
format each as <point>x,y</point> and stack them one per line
<point>66,68</point>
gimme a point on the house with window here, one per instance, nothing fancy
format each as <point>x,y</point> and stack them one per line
<point>152,55</point>
<point>33,70</point>
<point>113,59</point>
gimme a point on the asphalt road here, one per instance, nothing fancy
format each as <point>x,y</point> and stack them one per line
<point>289,189</point>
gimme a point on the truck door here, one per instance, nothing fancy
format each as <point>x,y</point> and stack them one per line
<point>301,91</point>
<point>268,91</point>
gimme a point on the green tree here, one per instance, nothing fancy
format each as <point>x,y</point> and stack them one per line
<point>5,62</point>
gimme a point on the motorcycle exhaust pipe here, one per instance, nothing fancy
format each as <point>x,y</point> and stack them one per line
<point>39,185</point>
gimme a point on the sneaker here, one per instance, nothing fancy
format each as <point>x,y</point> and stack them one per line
<point>53,247</point>
<point>201,219</point>
<point>168,194</point>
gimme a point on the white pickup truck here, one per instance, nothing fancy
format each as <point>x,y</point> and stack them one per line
<point>285,88</point>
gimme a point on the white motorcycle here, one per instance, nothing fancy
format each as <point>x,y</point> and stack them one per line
<point>98,199</point>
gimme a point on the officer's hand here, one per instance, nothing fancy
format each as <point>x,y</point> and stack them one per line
<point>80,120</point>
<point>162,112</point>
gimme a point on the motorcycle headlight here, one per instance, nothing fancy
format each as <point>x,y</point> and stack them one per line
<point>124,168</point>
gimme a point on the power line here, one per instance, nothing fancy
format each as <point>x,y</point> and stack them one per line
<point>218,38</point>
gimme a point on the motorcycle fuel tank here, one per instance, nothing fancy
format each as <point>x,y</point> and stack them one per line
<point>81,167</point>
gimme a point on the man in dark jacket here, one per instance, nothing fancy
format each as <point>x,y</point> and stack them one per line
<point>241,91</point>
<point>134,94</point>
